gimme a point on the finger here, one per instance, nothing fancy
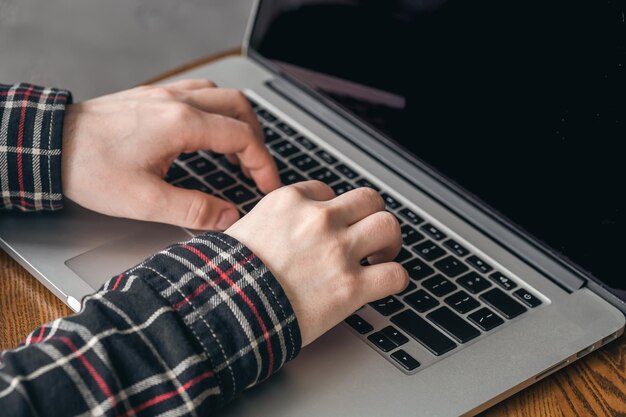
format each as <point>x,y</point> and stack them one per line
<point>186,85</point>
<point>227,102</point>
<point>358,204</point>
<point>226,135</point>
<point>315,190</point>
<point>381,280</point>
<point>165,203</point>
<point>376,237</point>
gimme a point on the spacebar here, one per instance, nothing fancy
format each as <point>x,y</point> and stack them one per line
<point>423,332</point>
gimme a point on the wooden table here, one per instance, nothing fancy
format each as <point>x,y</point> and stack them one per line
<point>593,386</point>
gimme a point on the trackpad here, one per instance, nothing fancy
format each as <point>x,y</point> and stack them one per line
<point>97,265</point>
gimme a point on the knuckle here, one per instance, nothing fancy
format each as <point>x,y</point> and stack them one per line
<point>324,217</point>
<point>371,195</point>
<point>180,112</point>
<point>162,93</point>
<point>289,193</point>
<point>319,184</point>
<point>389,221</point>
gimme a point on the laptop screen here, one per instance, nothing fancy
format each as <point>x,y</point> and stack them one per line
<point>523,104</point>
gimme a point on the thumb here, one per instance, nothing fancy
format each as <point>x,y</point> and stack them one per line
<point>187,208</point>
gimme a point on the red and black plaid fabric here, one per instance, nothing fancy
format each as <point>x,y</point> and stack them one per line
<point>31,125</point>
<point>180,334</point>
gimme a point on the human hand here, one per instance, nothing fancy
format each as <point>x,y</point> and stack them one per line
<point>118,148</point>
<point>314,243</point>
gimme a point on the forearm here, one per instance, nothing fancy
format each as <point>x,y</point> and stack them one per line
<point>31,127</point>
<point>187,330</point>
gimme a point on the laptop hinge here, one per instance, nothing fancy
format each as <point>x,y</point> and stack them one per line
<point>565,277</point>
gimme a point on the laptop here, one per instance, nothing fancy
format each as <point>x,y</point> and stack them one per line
<point>492,131</point>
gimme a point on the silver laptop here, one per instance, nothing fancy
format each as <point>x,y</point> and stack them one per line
<point>490,130</point>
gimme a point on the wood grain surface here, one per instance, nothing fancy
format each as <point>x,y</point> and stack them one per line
<point>593,386</point>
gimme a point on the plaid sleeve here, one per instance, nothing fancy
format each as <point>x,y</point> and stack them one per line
<point>31,125</point>
<point>180,334</point>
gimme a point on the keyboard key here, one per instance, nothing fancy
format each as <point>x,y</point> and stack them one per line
<point>266,115</point>
<point>408,289</point>
<point>201,166</point>
<point>439,285</point>
<point>417,269</point>
<point>461,330</point>
<point>284,148</point>
<point>423,332</point>
<point>326,157</point>
<point>220,180</point>
<point>357,323</point>
<point>428,250</point>
<point>381,341</point>
<point>285,128</point>
<point>456,248</point>
<point>185,156</point>
<point>403,255</point>
<point>194,184</point>
<point>304,162</point>
<point>387,306</point>
<point>410,235</point>
<point>451,266</point>
<point>175,173</point>
<point>291,177</point>
<point>433,231</point>
<point>366,183</point>
<point>421,301</point>
<point>248,181</point>
<point>507,306</point>
<point>306,143</point>
<point>527,298</point>
<point>485,319</point>
<point>342,188</point>
<point>474,282</point>
<point>239,194</point>
<point>394,335</point>
<point>324,175</point>
<point>405,360</point>
<point>503,281</point>
<point>479,264</point>
<point>248,207</point>
<point>462,302</point>
<point>347,171</point>
<point>270,135</point>
<point>232,168</point>
<point>390,202</point>
<point>410,216</point>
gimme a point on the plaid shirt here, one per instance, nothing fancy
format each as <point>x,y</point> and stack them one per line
<point>182,333</point>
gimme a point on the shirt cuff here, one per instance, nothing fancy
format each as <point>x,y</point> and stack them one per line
<point>233,306</point>
<point>31,129</point>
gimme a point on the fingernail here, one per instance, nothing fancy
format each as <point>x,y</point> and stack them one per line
<point>227,218</point>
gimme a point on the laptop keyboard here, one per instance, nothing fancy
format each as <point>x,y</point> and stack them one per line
<point>454,296</point>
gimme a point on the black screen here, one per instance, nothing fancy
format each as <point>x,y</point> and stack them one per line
<point>521,103</point>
